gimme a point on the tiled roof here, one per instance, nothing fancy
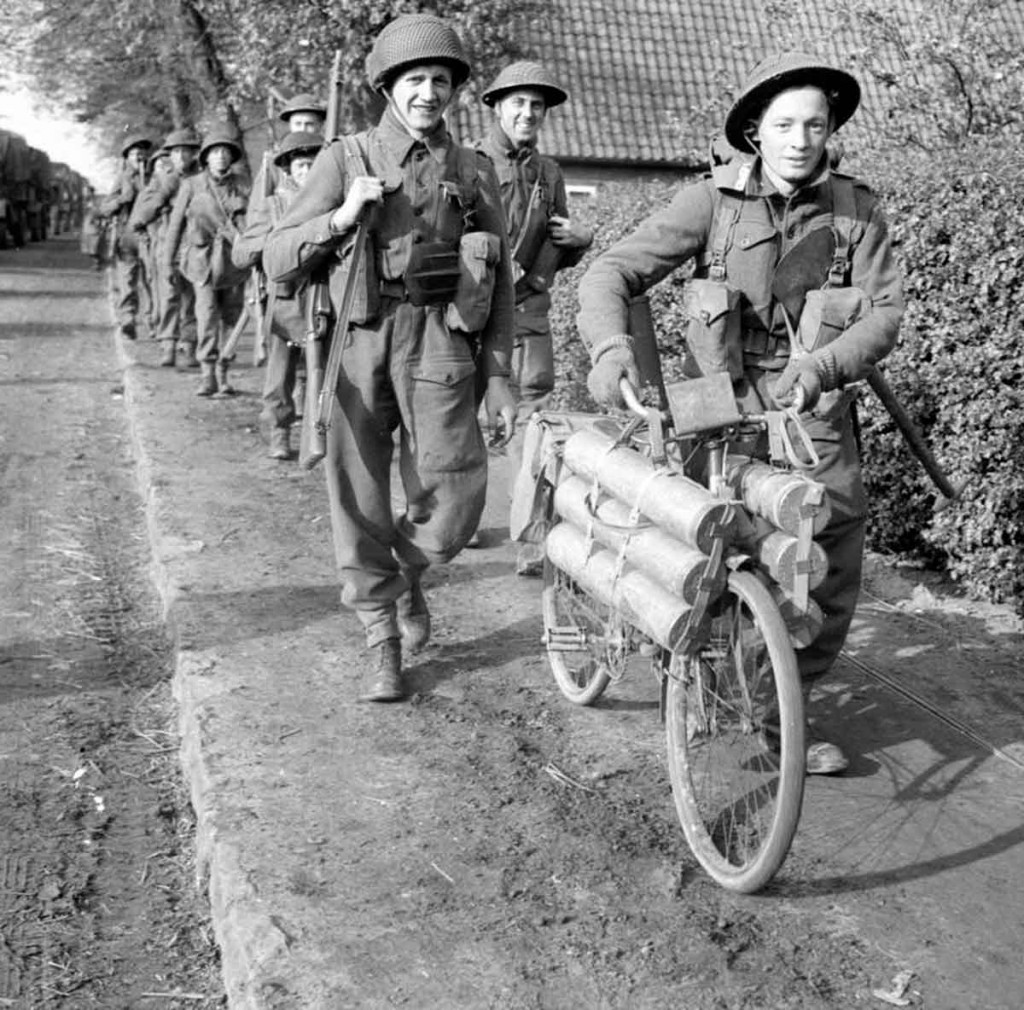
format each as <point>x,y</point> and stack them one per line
<point>649,79</point>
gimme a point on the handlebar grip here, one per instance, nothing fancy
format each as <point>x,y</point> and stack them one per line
<point>632,398</point>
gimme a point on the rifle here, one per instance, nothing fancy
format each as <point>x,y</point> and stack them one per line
<point>313,443</point>
<point>258,280</point>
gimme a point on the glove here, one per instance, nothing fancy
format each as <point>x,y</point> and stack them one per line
<point>611,366</point>
<point>800,384</point>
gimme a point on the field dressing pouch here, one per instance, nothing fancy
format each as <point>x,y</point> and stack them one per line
<point>469,310</point>
<point>714,328</point>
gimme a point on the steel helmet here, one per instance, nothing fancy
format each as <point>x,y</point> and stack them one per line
<point>789,70</point>
<point>413,39</point>
<point>302,103</point>
<point>297,143</point>
<point>135,140</point>
<point>222,133</point>
<point>525,74</point>
<point>186,137</point>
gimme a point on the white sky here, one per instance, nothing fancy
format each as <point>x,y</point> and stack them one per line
<point>61,138</point>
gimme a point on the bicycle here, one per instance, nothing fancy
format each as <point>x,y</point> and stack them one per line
<point>713,607</point>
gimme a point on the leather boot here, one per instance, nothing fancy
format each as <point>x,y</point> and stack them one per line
<point>299,396</point>
<point>224,387</point>
<point>190,360</point>
<point>167,357</point>
<point>413,615</point>
<point>382,680</point>
<point>208,382</point>
<point>280,446</point>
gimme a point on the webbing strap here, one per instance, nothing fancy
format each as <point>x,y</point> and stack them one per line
<point>726,215</point>
<point>844,218</point>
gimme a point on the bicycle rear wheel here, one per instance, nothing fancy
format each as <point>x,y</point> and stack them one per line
<point>735,728</point>
<point>586,644</point>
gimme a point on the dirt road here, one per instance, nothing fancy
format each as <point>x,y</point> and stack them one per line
<point>98,901</point>
<point>489,845</point>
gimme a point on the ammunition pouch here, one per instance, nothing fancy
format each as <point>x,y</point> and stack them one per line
<point>469,310</point>
<point>827,313</point>
<point>714,332</point>
<point>432,273</point>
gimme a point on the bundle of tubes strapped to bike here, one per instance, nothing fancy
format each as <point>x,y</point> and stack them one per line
<point>667,541</point>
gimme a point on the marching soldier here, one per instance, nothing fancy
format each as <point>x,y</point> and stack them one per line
<point>177,324</point>
<point>207,212</point>
<point>420,333</point>
<point>779,197</point>
<point>286,304</point>
<point>542,237</point>
<point>118,207</point>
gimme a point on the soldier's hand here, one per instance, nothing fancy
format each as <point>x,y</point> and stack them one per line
<point>365,189</point>
<point>500,407</point>
<point>612,366</point>
<point>799,385</point>
<point>563,231</point>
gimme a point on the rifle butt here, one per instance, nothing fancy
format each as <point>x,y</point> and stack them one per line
<point>313,441</point>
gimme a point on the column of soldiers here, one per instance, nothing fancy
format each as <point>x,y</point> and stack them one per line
<point>452,250</point>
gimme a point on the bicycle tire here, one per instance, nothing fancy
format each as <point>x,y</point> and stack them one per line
<point>735,735</point>
<point>584,653</point>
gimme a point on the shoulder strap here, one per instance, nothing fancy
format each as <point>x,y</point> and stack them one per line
<point>846,226</point>
<point>726,214</point>
<point>354,151</point>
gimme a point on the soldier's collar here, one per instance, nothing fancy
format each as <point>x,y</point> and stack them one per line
<point>397,139</point>
<point>511,151</point>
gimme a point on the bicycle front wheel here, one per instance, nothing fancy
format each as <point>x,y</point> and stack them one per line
<point>735,728</point>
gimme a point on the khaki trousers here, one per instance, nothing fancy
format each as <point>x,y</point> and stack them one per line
<point>403,373</point>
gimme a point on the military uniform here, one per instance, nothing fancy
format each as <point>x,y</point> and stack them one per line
<point>286,305</point>
<point>176,299</point>
<point>129,271</point>
<point>207,209</point>
<point>402,367</point>
<point>532,193</point>
<point>764,226</point>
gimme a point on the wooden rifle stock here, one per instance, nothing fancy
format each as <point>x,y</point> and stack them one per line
<point>912,435</point>
<point>313,442</point>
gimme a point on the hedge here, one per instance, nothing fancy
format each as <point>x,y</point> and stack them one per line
<point>957,224</point>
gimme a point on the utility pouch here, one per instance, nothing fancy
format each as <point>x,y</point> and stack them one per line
<point>714,333</point>
<point>478,259</point>
<point>432,273</point>
<point>827,313</point>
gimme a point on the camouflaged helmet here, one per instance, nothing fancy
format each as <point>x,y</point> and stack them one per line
<point>789,70</point>
<point>221,134</point>
<point>135,140</point>
<point>297,143</point>
<point>302,103</point>
<point>411,40</point>
<point>525,74</point>
<point>186,137</point>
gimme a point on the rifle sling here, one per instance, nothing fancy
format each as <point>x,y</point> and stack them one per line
<point>332,369</point>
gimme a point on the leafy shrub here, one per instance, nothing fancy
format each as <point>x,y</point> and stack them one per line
<point>958,227</point>
<point>957,224</point>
